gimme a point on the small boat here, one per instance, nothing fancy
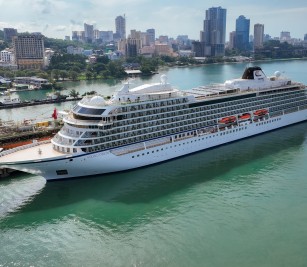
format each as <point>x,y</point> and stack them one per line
<point>9,101</point>
<point>260,112</point>
<point>227,121</point>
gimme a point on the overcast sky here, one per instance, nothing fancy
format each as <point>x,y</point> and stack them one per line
<point>57,18</point>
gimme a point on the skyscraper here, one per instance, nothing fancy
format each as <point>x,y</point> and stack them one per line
<point>232,36</point>
<point>88,33</point>
<point>120,25</point>
<point>258,35</point>
<point>242,33</point>
<point>152,35</point>
<point>9,33</point>
<point>214,33</point>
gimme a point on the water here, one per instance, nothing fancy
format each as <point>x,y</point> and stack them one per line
<point>241,204</point>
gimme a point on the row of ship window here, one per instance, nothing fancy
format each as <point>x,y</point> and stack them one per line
<point>118,138</point>
<point>180,122</point>
<point>154,130</point>
<point>284,96</point>
<point>132,140</point>
<point>204,110</point>
<point>64,149</point>
<point>186,113</point>
<point>223,133</point>
<point>193,133</point>
<point>269,121</point>
<point>190,142</point>
<point>153,105</point>
<point>264,95</point>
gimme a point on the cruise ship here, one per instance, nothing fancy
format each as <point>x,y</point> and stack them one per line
<point>156,122</point>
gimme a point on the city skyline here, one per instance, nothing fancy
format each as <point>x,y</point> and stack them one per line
<point>58,18</point>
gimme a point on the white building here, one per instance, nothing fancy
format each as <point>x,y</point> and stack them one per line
<point>48,55</point>
<point>7,56</point>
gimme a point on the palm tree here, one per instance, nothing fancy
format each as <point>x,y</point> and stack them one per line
<point>73,93</point>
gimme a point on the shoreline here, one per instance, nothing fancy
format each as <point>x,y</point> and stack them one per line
<point>237,62</point>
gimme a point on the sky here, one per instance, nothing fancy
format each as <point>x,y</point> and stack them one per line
<point>58,18</point>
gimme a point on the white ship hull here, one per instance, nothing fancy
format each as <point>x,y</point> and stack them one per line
<point>107,162</point>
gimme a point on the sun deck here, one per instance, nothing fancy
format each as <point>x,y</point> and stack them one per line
<point>39,151</point>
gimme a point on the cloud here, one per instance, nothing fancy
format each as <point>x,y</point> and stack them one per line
<point>115,4</point>
<point>43,6</point>
<point>46,27</point>
<point>60,28</point>
<point>73,22</point>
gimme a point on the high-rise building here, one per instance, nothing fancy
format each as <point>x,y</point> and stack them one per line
<point>133,44</point>
<point>285,36</point>
<point>305,37</point>
<point>214,32</point>
<point>242,33</point>
<point>232,36</point>
<point>258,35</point>
<point>120,26</point>
<point>78,36</point>
<point>88,33</point>
<point>29,51</point>
<point>9,33</point>
<point>152,35</point>
<point>106,36</point>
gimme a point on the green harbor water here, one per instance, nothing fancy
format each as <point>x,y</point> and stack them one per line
<point>241,204</point>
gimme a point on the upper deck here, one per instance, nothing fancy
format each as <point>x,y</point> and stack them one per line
<point>252,81</point>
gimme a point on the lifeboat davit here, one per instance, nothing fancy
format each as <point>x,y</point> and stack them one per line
<point>227,120</point>
<point>260,112</point>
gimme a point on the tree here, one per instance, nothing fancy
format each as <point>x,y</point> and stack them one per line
<point>73,93</point>
<point>103,59</point>
<point>88,75</point>
<point>73,75</point>
<point>55,74</point>
<point>63,74</point>
<point>67,62</point>
<point>43,75</point>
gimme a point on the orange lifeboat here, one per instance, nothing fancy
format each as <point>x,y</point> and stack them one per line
<point>227,120</point>
<point>245,117</point>
<point>260,112</point>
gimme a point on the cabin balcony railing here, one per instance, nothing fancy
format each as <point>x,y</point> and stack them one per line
<point>69,133</point>
<point>62,141</point>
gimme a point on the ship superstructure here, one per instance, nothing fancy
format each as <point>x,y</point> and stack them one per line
<point>156,122</point>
